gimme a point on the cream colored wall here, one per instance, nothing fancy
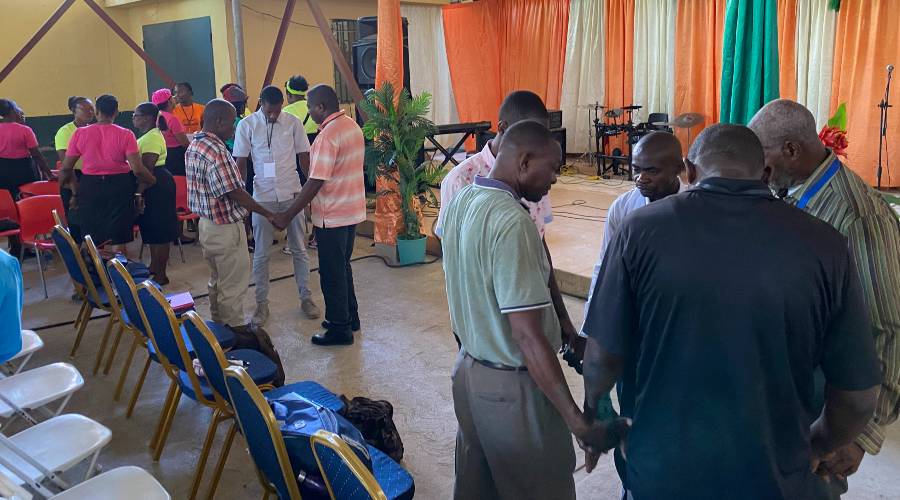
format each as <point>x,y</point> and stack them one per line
<point>82,56</point>
<point>79,56</point>
<point>146,12</point>
<point>304,50</point>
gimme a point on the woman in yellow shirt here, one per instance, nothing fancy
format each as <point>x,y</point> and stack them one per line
<point>82,115</point>
<point>158,222</point>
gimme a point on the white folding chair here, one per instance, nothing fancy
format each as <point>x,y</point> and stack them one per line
<point>39,453</point>
<point>9,490</point>
<point>34,389</point>
<point>119,483</point>
<point>31,343</point>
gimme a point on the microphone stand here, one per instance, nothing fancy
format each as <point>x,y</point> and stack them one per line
<point>882,128</point>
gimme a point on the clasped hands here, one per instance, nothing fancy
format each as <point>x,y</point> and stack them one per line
<point>597,437</point>
<point>280,220</point>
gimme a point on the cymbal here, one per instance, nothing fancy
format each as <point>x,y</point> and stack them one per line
<point>660,124</point>
<point>633,107</point>
<point>614,113</point>
<point>686,120</point>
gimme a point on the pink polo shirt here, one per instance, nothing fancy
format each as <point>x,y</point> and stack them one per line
<point>480,164</point>
<point>103,148</point>
<point>175,127</point>
<point>337,157</point>
<point>16,140</point>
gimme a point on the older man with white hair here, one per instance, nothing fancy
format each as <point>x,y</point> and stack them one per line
<point>811,177</point>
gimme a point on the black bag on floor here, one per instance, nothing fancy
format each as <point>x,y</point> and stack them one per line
<point>375,419</point>
<point>257,339</point>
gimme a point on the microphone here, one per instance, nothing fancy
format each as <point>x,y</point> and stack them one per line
<point>890,69</point>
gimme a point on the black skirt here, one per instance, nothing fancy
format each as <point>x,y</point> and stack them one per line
<point>159,222</point>
<point>106,207</point>
<point>14,172</point>
<point>175,160</point>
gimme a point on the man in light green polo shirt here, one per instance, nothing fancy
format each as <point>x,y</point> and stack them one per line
<point>514,408</point>
<point>296,88</point>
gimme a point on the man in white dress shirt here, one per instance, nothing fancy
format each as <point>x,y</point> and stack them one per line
<point>276,141</point>
<point>656,163</point>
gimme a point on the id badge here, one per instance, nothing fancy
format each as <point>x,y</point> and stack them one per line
<point>269,170</point>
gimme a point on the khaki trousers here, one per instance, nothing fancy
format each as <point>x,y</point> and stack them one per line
<point>225,250</point>
<point>512,443</point>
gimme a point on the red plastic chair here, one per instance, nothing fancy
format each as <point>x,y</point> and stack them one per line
<point>36,223</point>
<point>181,206</point>
<point>8,211</point>
<point>39,188</point>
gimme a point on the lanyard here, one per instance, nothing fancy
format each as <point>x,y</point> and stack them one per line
<point>269,132</point>
<point>815,188</point>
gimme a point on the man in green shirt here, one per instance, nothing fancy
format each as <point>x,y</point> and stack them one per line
<point>812,178</point>
<point>514,408</point>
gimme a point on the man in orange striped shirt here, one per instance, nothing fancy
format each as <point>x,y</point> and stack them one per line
<point>336,195</point>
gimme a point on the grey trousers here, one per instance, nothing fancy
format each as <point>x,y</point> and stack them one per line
<point>296,235</point>
<point>511,443</point>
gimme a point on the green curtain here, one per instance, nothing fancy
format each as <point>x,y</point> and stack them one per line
<point>749,58</point>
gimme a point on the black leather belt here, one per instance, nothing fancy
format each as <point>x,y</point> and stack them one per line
<point>498,366</point>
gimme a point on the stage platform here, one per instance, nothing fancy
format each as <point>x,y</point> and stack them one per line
<point>580,205</point>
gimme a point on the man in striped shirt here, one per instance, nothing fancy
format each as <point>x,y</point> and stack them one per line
<point>336,195</point>
<point>812,178</point>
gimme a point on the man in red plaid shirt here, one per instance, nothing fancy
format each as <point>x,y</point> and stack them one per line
<point>216,193</point>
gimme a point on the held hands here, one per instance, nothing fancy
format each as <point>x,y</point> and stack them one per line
<point>841,463</point>
<point>281,220</point>
<point>597,437</point>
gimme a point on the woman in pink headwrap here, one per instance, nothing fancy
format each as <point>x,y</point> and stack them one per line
<point>176,139</point>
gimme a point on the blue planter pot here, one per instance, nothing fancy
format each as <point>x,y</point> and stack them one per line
<point>411,251</point>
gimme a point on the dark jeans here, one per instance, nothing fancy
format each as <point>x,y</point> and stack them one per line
<point>336,276</point>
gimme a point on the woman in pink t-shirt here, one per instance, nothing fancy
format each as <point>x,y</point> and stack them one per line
<point>104,200</point>
<point>18,147</point>
<point>176,139</point>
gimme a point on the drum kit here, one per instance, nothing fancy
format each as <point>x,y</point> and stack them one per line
<point>611,122</point>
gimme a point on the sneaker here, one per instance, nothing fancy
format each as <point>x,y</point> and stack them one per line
<point>310,309</point>
<point>286,251</point>
<point>332,337</point>
<point>354,325</point>
<point>261,315</point>
<point>312,242</point>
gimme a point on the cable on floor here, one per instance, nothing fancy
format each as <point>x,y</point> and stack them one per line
<point>273,280</point>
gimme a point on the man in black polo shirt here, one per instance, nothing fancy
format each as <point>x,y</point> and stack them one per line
<point>725,301</point>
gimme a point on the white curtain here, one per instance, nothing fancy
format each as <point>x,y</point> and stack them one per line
<point>815,54</point>
<point>654,57</point>
<point>583,76</point>
<point>429,70</point>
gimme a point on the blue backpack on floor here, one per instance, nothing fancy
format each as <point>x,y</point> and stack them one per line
<point>300,418</point>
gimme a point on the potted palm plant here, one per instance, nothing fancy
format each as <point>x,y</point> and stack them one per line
<point>396,128</point>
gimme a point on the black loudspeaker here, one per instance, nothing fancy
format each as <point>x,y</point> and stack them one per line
<point>364,52</point>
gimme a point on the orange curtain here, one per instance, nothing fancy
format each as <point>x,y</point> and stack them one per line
<point>619,59</point>
<point>698,62</point>
<point>533,47</point>
<point>388,68</point>
<point>473,54</point>
<point>787,48</point>
<point>866,41</point>
<point>528,36</point>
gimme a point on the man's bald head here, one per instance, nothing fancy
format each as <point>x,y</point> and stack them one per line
<point>528,159</point>
<point>725,150</point>
<point>323,102</point>
<point>656,162</point>
<point>791,143</point>
<point>218,118</point>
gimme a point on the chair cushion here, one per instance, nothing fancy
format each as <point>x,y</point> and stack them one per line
<point>261,370</point>
<point>396,482</point>
<point>223,334</point>
<point>311,391</point>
